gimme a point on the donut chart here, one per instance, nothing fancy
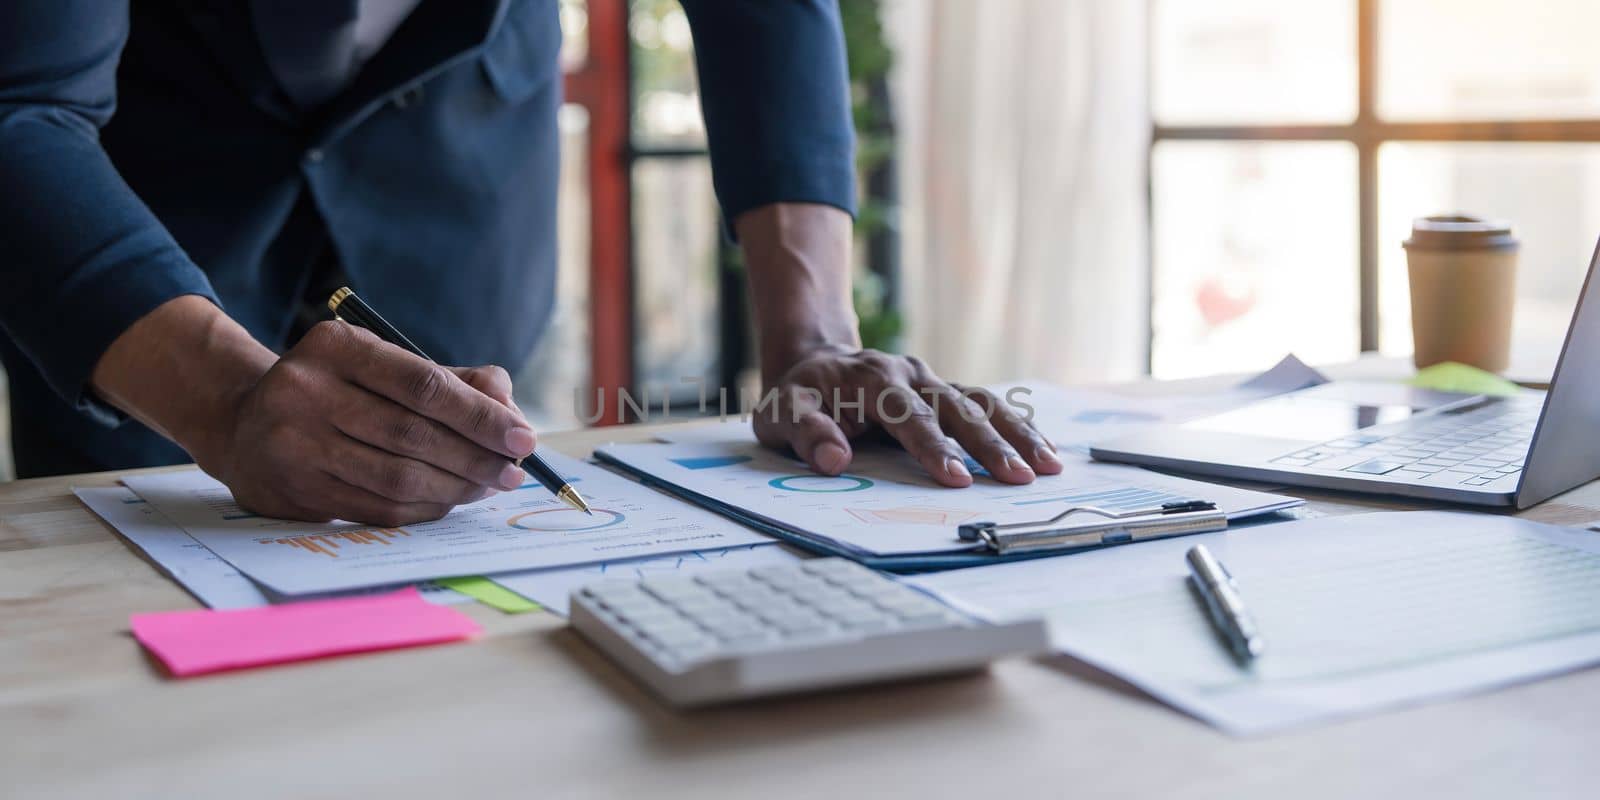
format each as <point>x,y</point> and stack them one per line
<point>566,520</point>
<point>820,484</point>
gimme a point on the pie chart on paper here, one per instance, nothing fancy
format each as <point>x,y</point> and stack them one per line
<point>820,484</point>
<point>566,520</point>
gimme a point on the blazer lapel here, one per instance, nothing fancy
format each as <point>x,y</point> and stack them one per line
<point>435,33</point>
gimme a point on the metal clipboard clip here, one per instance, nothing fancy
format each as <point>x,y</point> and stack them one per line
<point>1120,527</point>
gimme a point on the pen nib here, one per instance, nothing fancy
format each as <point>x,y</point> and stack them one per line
<point>571,497</point>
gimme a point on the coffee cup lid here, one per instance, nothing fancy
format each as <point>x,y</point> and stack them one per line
<point>1461,232</point>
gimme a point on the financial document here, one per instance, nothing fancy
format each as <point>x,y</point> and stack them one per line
<point>1359,612</point>
<point>210,579</point>
<point>521,529</point>
<point>885,504</point>
<point>552,587</point>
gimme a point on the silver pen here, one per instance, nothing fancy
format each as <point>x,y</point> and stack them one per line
<point>1225,606</point>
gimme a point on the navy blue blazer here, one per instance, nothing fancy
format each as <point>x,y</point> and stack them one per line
<point>146,152</point>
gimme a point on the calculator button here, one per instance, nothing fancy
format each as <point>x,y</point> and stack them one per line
<point>885,592</point>
<point>823,600</point>
<point>774,608</point>
<point>845,613</point>
<point>810,587</point>
<point>644,618</point>
<point>628,606</point>
<point>771,574</point>
<point>730,581</point>
<point>799,623</point>
<point>868,625</point>
<point>695,605</point>
<point>719,619</point>
<point>669,586</point>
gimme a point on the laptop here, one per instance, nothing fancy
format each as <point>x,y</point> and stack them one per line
<point>1489,451</point>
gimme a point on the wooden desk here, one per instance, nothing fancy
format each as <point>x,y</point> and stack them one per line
<point>532,710</point>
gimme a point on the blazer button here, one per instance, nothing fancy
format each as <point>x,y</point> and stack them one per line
<point>313,155</point>
<point>408,97</point>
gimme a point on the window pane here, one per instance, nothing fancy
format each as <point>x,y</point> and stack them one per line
<point>1232,62</point>
<point>675,287</point>
<point>666,96</point>
<point>574,34</point>
<point>1255,255</point>
<point>545,386</point>
<point>1488,59</point>
<point>1549,192</point>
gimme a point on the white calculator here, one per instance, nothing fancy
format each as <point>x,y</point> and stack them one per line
<point>823,623</point>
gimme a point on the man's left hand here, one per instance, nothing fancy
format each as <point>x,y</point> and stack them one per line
<point>834,395</point>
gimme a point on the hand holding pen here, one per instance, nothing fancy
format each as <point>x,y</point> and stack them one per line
<point>347,306</point>
<point>346,426</point>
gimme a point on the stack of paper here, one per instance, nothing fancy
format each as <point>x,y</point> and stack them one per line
<point>228,558</point>
<point>522,529</point>
<point>1358,612</point>
<point>211,580</point>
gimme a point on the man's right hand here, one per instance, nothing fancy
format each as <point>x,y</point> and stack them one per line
<point>342,426</point>
<point>346,425</point>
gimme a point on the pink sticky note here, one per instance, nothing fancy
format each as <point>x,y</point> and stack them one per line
<point>197,642</point>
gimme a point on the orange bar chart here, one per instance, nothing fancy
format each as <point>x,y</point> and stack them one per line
<point>328,544</point>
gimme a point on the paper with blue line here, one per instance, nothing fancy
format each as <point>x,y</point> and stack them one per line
<point>884,504</point>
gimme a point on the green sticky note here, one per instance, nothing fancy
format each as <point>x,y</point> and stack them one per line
<point>490,594</point>
<point>1451,376</point>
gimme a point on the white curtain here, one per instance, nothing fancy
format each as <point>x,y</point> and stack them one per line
<point>1024,129</point>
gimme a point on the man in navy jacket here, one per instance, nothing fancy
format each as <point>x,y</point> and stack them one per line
<point>182,182</point>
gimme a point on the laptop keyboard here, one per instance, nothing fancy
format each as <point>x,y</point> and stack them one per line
<point>1476,446</point>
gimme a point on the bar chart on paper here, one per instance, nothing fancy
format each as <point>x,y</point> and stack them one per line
<point>516,530</point>
<point>1114,498</point>
<point>210,579</point>
<point>329,544</point>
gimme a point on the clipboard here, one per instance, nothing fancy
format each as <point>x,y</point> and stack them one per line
<point>1119,527</point>
<point>1016,541</point>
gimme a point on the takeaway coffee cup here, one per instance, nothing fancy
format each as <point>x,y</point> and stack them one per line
<point>1463,284</point>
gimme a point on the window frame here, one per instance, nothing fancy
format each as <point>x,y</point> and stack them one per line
<point>603,83</point>
<point>1367,133</point>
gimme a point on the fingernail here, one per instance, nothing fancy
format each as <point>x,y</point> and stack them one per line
<point>1017,464</point>
<point>956,467</point>
<point>1046,454</point>
<point>510,477</point>
<point>520,441</point>
<point>830,458</point>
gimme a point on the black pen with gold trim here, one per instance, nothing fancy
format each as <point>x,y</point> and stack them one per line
<point>352,309</point>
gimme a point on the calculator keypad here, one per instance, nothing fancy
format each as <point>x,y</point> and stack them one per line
<point>691,619</point>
